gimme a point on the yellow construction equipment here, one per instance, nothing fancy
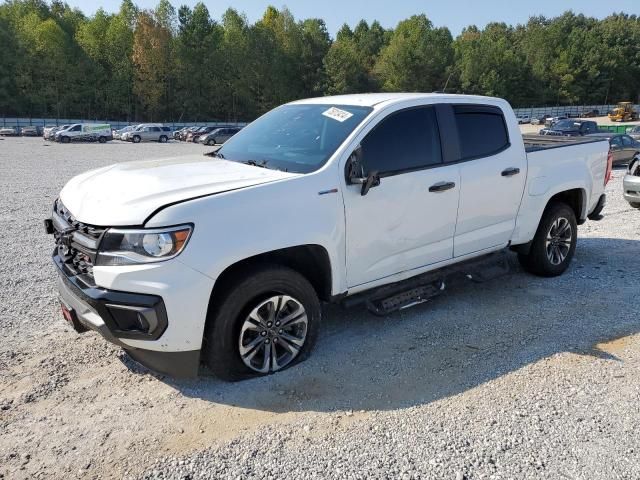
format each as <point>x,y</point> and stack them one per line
<point>624,112</point>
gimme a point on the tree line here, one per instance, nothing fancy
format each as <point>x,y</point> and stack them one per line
<point>168,64</point>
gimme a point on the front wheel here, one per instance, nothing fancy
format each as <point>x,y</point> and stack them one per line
<point>102,140</point>
<point>136,139</point>
<point>554,243</point>
<point>163,139</point>
<point>268,320</point>
<point>65,140</point>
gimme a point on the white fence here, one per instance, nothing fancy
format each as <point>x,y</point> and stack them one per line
<point>116,124</point>
<point>572,110</point>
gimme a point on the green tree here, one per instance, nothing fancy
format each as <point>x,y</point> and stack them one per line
<point>196,54</point>
<point>350,62</point>
<point>151,59</point>
<point>8,66</point>
<point>490,62</point>
<point>417,58</point>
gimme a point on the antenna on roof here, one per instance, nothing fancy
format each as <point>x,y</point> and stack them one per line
<point>447,83</point>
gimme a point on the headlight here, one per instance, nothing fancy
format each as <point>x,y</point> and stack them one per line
<point>132,247</point>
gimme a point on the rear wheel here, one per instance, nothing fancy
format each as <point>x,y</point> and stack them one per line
<point>554,244</point>
<point>268,320</point>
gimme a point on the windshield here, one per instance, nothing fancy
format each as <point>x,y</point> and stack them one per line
<point>296,138</point>
<point>567,125</point>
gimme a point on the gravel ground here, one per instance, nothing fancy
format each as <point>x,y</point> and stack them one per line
<point>517,377</point>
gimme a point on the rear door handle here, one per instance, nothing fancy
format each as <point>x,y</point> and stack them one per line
<point>510,172</point>
<point>442,187</point>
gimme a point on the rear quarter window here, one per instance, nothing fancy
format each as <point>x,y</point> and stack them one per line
<point>482,130</point>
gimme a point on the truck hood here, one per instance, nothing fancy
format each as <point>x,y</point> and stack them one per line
<point>128,193</point>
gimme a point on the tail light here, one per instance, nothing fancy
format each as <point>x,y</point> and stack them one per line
<point>607,175</point>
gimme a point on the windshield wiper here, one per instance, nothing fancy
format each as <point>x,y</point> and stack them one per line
<point>214,153</point>
<point>253,163</point>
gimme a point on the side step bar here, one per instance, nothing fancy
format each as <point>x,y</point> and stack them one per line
<point>419,289</point>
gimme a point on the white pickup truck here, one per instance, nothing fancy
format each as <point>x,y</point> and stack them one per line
<point>225,260</point>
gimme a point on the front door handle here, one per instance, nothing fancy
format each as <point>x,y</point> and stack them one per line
<point>510,172</point>
<point>442,187</point>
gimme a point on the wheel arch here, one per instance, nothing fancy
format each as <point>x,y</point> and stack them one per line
<point>576,198</point>
<point>311,261</point>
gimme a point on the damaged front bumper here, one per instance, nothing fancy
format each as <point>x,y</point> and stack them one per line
<point>121,315</point>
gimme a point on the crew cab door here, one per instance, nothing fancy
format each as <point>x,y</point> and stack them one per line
<point>408,220</point>
<point>492,178</point>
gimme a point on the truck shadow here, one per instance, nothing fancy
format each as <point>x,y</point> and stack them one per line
<point>472,334</point>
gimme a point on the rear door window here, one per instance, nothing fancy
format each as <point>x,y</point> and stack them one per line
<point>404,141</point>
<point>482,130</point>
<point>590,127</point>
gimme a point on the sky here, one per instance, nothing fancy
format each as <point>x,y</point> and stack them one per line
<point>454,14</point>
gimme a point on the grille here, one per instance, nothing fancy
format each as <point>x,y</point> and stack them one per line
<point>77,243</point>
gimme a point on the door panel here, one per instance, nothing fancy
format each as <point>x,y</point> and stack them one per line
<point>491,185</point>
<point>400,225</point>
<point>408,220</point>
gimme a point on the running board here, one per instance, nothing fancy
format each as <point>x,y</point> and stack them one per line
<point>422,288</point>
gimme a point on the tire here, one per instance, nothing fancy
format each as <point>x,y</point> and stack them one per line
<point>256,292</point>
<point>553,260</point>
<point>163,139</point>
<point>209,143</point>
<point>136,139</point>
<point>634,204</point>
<point>102,140</point>
<point>65,140</point>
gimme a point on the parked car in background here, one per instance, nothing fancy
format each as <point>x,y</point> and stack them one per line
<point>85,132</point>
<point>634,132</point>
<point>549,122</point>
<point>117,134</point>
<point>30,131</point>
<point>540,120</point>
<point>179,261</point>
<point>219,135</point>
<point>523,119</point>
<point>195,135</point>
<point>631,183</point>
<point>51,130</point>
<point>9,131</point>
<point>186,132</point>
<point>177,133</point>
<point>590,113</point>
<point>623,147</point>
<point>571,128</point>
<point>149,133</point>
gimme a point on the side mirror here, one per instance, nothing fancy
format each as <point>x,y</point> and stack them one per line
<point>355,175</point>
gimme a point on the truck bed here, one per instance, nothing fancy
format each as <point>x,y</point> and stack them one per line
<point>534,143</point>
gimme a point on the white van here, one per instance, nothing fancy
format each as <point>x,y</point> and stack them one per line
<point>85,132</point>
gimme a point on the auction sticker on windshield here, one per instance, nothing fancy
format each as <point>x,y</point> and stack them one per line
<point>337,114</point>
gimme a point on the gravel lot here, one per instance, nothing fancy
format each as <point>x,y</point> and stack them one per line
<point>518,377</point>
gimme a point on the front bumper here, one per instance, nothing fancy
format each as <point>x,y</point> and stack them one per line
<point>631,188</point>
<point>118,316</point>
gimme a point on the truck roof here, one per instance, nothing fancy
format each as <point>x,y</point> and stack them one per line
<point>373,99</point>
